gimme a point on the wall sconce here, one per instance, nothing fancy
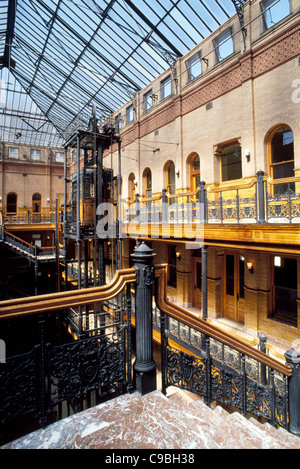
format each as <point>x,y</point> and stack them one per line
<point>178,255</point>
<point>247,155</point>
<point>177,172</point>
<point>135,182</point>
<point>250,267</point>
<point>277,261</point>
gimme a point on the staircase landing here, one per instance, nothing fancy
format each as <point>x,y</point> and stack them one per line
<point>155,421</point>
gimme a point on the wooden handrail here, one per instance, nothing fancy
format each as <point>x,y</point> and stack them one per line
<point>187,318</point>
<point>44,303</point>
<point>19,239</point>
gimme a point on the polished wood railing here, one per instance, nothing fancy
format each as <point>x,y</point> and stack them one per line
<point>186,317</point>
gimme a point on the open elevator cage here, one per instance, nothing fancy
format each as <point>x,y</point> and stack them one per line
<point>90,259</point>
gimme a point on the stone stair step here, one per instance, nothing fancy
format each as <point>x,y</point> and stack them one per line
<point>286,440</point>
<point>154,421</point>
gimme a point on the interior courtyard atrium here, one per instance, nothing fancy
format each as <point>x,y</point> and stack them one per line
<point>149,215</point>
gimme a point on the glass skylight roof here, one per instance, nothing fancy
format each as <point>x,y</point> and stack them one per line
<point>61,57</point>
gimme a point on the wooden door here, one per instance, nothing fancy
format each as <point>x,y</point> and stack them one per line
<point>234,277</point>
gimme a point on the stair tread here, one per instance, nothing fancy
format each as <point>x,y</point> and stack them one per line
<point>154,421</point>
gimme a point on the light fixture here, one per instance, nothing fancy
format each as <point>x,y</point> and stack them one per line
<point>247,155</point>
<point>178,254</point>
<point>250,267</point>
<point>177,172</point>
<point>277,261</point>
<point>135,182</point>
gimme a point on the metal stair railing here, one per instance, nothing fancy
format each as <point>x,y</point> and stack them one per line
<point>208,361</point>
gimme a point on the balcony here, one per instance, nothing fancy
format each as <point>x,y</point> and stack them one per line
<point>258,206</point>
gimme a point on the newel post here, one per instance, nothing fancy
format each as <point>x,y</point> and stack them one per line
<point>293,360</point>
<point>144,366</point>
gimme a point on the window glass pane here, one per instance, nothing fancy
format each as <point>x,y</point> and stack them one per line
<point>274,11</point>
<point>129,114</point>
<point>166,88</point>
<point>231,163</point>
<point>11,203</point>
<point>13,152</point>
<point>229,275</point>
<point>196,163</point>
<point>59,156</point>
<point>171,178</point>
<point>285,286</point>
<point>148,179</point>
<point>35,154</point>
<point>148,101</point>
<point>194,67</point>
<point>282,146</point>
<point>224,45</point>
<point>285,275</point>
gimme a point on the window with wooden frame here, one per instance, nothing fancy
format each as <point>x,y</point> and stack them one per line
<point>131,187</point>
<point>147,176</point>
<point>194,172</point>
<point>284,290</point>
<point>36,203</point>
<point>280,149</point>
<point>230,154</point>
<point>11,203</point>
<point>170,179</point>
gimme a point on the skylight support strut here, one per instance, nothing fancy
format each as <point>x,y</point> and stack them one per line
<point>6,60</point>
<point>239,6</point>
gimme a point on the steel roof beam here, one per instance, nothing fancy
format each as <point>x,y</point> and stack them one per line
<point>153,28</point>
<point>6,60</point>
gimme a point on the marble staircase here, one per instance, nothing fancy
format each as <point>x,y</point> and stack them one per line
<point>154,421</point>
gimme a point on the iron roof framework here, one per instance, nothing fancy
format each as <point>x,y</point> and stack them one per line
<point>59,58</point>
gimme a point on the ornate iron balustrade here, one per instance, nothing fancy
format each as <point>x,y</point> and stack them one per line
<point>29,218</point>
<point>53,375</point>
<point>27,249</point>
<point>282,203</point>
<point>255,202</point>
<point>220,368</point>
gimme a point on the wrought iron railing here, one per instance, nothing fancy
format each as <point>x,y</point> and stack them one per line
<point>29,218</point>
<point>27,249</point>
<point>217,366</point>
<point>259,200</point>
<point>57,374</point>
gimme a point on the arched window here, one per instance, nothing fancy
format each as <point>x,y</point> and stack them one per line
<point>11,203</point>
<point>195,172</point>
<point>170,179</point>
<point>131,187</point>
<point>281,156</point>
<point>147,176</point>
<point>36,203</point>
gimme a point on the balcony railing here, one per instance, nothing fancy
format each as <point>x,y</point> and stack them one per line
<point>29,250</point>
<point>28,218</point>
<point>196,355</point>
<point>259,201</point>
